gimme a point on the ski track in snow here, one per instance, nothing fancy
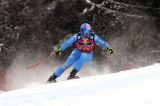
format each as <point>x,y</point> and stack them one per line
<point>137,87</point>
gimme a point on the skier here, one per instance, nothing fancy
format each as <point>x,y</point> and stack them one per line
<point>84,42</point>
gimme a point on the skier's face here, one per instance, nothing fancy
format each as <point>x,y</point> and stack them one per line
<point>86,35</point>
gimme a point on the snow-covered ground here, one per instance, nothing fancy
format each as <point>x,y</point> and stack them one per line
<point>138,87</point>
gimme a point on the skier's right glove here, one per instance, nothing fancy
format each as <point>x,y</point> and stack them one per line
<point>58,52</point>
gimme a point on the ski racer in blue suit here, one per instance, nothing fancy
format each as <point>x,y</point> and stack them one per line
<point>85,42</point>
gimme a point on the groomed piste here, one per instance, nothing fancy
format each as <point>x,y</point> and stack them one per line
<point>137,87</point>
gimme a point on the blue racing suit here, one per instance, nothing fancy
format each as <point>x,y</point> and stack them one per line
<point>78,58</point>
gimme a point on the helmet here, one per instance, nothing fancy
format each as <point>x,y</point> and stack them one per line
<point>85,26</point>
<point>85,29</point>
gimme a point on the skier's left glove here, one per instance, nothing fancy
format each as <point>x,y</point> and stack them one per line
<point>110,51</point>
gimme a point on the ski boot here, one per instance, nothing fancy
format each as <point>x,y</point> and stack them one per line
<point>72,75</point>
<point>52,79</point>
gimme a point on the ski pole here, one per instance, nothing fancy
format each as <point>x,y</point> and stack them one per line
<point>40,62</point>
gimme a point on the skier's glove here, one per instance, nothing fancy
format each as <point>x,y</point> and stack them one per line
<point>110,51</point>
<point>58,52</point>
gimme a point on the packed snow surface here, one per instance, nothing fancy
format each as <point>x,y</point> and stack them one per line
<point>137,87</point>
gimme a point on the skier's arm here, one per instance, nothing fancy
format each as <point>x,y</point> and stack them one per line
<point>68,42</point>
<point>101,42</point>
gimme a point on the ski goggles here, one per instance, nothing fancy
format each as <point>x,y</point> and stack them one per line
<point>86,33</point>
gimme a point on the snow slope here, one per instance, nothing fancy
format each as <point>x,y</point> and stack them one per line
<point>138,87</point>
